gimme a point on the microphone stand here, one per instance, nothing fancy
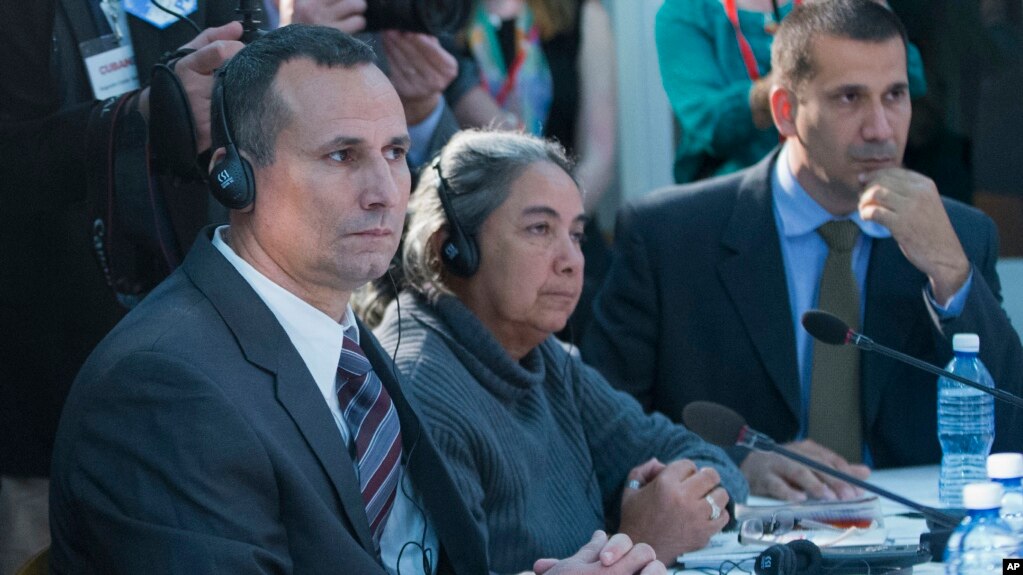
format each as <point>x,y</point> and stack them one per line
<point>756,440</point>
<point>865,343</point>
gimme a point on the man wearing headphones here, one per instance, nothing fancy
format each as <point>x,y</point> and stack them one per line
<point>710,280</point>
<point>241,419</point>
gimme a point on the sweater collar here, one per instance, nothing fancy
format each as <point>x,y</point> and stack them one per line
<point>476,347</point>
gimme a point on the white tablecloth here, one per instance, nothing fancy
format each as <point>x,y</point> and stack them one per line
<point>918,484</point>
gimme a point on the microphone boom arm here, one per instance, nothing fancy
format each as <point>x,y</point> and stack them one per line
<point>756,440</point>
<point>865,343</point>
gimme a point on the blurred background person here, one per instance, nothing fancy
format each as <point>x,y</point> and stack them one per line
<point>418,65</point>
<point>539,444</point>
<point>713,55</point>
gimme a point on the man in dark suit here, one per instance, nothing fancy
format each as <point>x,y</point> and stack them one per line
<point>710,280</point>
<point>240,419</point>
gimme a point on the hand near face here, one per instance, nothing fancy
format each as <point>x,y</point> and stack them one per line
<point>346,15</point>
<point>420,69</point>
<point>908,204</point>
<point>670,511</point>
<point>213,47</point>
<point>771,475</point>
<point>604,556</point>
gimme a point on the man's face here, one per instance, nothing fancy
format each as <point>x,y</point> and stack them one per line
<point>330,209</point>
<point>851,118</point>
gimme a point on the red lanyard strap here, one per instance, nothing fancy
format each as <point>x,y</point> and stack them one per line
<point>748,58</point>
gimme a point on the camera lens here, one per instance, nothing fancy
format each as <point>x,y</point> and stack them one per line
<point>436,17</point>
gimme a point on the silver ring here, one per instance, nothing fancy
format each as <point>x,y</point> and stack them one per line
<point>634,484</point>
<point>715,511</point>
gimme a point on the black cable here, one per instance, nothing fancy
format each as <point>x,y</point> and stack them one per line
<point>177,15</point>
<point>428,554</point>
<point>777,12</point>
<point>397,344</point>
<point>421,544</point>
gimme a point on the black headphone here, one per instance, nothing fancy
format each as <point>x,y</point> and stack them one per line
<point>799,557</point>
<point>459,251</point>
<point>231,179</point>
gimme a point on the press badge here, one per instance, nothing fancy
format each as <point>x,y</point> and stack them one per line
<point>110,65</point>
<point>145,10</point>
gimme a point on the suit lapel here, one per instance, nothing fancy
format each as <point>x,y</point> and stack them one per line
<point>265,344</point>
<point>299,395</point>
<point>448,515</point>
<point>890,279</point>
<point>763,303</point>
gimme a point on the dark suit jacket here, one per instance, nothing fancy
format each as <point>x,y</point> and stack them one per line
<point>696,308</point>
<point>195,441</point>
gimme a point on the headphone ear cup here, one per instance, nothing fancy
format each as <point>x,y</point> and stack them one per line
<point>233,183</point>
<point>808,557</point>
<point>776,560</point>
<point>459,253</point>
<point>798,557</point>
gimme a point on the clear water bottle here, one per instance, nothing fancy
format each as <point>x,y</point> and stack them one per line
<point>982,540</point>
<point>966,421</point>
<point>1007,469</point>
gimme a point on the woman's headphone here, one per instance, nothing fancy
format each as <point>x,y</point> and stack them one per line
<point>459,251</point>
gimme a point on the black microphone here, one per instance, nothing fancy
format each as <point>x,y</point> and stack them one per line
<point>831,330</point>
<point>724,427</point>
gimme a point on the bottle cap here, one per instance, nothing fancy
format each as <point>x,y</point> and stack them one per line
<point>968,342</point>
<point>1005,465</point>
<point>986,495</point>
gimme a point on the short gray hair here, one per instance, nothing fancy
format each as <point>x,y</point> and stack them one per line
<point>479,167</point>
<point>256,113</point>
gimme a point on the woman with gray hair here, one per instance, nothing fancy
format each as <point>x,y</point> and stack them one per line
<point>544,451</point>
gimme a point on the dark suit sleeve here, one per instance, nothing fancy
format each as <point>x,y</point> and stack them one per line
<point>446,127</point>
<point>1000,344</point>
<point>621,341</point>
<point>162,475</point>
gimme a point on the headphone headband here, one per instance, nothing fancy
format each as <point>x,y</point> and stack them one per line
<point>459,251</point>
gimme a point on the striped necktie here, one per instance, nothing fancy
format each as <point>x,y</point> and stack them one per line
<point>373,422</point>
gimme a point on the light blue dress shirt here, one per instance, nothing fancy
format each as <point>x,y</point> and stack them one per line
<point>422,133</point>
<point>798,216</point>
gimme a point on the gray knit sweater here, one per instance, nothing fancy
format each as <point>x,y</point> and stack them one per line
<point>538,448</point>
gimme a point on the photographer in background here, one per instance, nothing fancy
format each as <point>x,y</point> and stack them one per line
<point>418,65</point>
<point>77,148</point>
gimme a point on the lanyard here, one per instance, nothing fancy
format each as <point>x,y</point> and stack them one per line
<point>513,70</point>
<point>744,48</point>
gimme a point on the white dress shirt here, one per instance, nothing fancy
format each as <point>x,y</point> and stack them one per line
<point>318,340</point>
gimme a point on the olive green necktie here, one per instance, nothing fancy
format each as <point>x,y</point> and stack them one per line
<point>835,420</point>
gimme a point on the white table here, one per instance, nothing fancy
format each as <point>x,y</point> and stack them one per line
<point>919,484</point>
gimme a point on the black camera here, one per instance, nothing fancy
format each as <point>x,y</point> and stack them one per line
<point>436,17</point>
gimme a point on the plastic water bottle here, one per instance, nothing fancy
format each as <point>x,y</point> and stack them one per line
<point>966,421</point>
<point>982,540</point>
<point>1007,469</point>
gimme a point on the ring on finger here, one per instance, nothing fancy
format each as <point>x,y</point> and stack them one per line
<point>715,509</point>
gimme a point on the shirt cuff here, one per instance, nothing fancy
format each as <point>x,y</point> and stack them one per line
<point>422,133</point>
<point>954,306</point>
